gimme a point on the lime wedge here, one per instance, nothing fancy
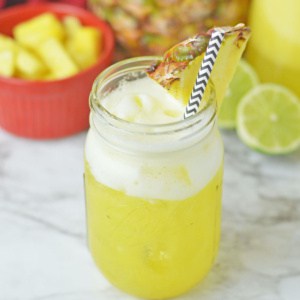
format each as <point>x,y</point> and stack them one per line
<point>268,119</point>
<point>244,79</point>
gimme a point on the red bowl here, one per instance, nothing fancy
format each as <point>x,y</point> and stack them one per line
<point>50,109</point>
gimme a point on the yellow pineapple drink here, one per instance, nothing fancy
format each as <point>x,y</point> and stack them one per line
<point>153,184</point>
<point>275,44</point>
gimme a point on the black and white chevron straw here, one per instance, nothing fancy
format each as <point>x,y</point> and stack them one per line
<point>208,62</point>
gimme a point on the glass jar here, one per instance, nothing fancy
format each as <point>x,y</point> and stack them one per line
<point>153,193</point>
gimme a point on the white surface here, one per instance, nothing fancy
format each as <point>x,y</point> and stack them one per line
<point>43,253</point>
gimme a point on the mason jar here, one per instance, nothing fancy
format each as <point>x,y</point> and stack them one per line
<point>153,193</point>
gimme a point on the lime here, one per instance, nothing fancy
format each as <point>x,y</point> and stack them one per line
<point>268,119</point>
<point>244,79</point>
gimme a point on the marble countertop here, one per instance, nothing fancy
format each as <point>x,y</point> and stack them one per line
<point>43,252</point>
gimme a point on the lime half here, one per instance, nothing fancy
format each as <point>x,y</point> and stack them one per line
<point>243,81</point>
<point>268,119</point>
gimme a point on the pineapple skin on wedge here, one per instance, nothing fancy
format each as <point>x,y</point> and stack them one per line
<point>178,69</point>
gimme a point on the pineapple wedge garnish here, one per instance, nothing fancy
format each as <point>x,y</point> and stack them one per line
<point>178,69</point>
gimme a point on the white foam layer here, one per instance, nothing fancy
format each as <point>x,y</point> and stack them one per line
<point>143,101</point>
<point>174,176</point>
<point>168,176</point>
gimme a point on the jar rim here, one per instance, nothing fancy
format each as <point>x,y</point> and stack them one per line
<point>204,117</point>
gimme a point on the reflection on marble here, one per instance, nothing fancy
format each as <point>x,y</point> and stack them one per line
<point>43,253</point>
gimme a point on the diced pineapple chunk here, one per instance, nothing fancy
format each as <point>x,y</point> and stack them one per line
<point>7,56</point>
<point>7,63</point>
<point>49,76</point>
<point>85,46</point>
<point>71,25</point>
<point>57,58</point>
<point>33,32</point>
<point>47,48</point>
<point>16,60</point>
<point>28,65</point>
<point>7,43</point>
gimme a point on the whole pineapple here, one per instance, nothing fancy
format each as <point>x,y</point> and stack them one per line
<point>147,27</point>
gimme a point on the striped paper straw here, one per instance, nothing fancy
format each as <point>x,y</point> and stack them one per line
<point>207,64</point>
